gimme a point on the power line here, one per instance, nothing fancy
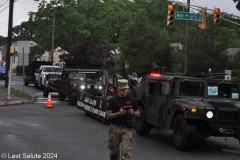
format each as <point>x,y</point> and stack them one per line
<point>4,23</point>
<point>23,1</point>
<point>3,3</point>
<point>4,9</point>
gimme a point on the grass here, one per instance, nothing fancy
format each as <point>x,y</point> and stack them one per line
<point>17,92</point>
<point>110,80</point>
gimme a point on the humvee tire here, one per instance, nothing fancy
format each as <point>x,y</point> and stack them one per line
<point>72,99</point>
<point>184,134</point>
<point>41,85</point>
<point>35,85</point>
<point>45,92</point>
<point>26,83</point>
<point>61,97</point>
<point>142,127</point>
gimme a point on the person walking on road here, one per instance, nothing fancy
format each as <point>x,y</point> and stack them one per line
<point>119,109</point>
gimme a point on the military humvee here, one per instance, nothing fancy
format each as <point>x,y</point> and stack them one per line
<point>192,105</point>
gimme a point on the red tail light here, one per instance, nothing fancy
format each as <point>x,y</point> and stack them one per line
<point>111,89</point>
<point>155,74</point>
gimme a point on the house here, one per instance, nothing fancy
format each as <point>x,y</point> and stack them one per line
<point>231,52</point>
<point>2,55</point>
<point>57,52</point>
<point>45,57</point>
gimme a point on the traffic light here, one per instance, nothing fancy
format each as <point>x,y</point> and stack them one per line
<point>202,23</point>
<point>170,15</point>
<point>216,16</point>
<point>12,49</point>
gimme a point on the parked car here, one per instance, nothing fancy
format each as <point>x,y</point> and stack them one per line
<point>3,72</point>
<point>30,72</point>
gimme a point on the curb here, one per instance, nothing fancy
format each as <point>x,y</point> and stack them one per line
<point>31,99</point>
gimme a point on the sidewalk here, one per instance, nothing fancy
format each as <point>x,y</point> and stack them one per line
<point>14,99</point>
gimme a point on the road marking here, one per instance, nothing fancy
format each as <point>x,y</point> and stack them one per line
<point>12,82</point>
<point>16,82</point>
<point>44,100</point>
<point>51,93</point>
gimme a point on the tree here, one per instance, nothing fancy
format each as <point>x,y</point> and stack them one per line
<point>35,53</point>
<point>3,40</point>
<point>238,4</point>
<point>142,46</point>
<point>23,32</point>
<point>85,30</point>
<point>89,29</point>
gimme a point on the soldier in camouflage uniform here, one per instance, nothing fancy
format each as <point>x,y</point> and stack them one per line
<point>119,132</point>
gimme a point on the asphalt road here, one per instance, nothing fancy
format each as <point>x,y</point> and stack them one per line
<point>64,131</point>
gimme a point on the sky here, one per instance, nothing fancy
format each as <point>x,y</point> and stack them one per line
<point>22,7</point>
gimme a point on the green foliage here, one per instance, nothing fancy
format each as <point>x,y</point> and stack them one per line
<point>17,92</point>
<point>23,31</point>
<point>19,69</point>
<point>144,45</point>
<point>90,29</point>
<point>36,52</point>
<point>238,4</point>
<point>3,41</point>
<point>110,64</point>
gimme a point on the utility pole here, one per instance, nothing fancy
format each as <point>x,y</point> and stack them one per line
<point>187,40</point>
<point>9,41</point>
<point>53,28</point>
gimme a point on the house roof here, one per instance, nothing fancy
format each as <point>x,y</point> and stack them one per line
<point>232,51</point>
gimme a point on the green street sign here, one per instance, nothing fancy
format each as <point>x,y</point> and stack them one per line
<point>188,16</point>
<point>199,17</point>
<point>182,15</point>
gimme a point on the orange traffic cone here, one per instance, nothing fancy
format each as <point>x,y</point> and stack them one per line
<point>49,101</point>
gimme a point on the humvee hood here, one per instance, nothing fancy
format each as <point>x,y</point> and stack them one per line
<point>215,103</point>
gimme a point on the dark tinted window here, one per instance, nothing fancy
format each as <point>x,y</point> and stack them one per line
<point>173,88</point>
<point>152,88</point>
<point>49,69</point>
<point>225,89</point>
<point>160,89</point>
<point>191,88</point>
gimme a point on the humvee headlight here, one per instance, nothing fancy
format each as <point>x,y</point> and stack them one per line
<point>209,114</point>
<point>193,110</point>
<point>82,87</point>
<point>88,86</point>
<point>100,87</point>
<point>96,87</point>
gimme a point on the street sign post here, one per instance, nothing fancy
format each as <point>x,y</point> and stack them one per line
<point>23,51</point>
<point>199,16</point>
<point>188,16</point>
<point>182,15</point>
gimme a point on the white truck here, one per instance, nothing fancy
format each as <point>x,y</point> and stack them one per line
<point>43,71</point>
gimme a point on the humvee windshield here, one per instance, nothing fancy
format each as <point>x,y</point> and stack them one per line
<point>188,88</point>
<point>51,69</point>
<point>221,90</point>
<point>85,76</point>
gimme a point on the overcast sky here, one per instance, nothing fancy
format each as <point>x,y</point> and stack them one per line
<point>22,7</point>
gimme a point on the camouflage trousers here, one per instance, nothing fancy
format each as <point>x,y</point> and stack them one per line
<point>120,134</point>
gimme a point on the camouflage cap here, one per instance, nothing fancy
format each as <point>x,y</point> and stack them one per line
<point>123,83</point>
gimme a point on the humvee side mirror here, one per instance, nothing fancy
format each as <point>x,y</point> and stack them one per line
<point>165,88</point>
